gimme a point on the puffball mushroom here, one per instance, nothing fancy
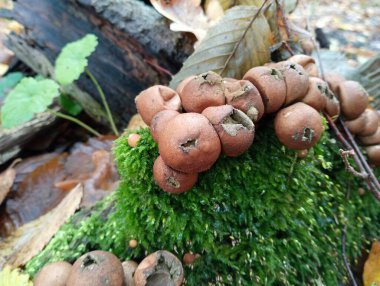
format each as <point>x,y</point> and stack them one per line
<point>129,268</point>
<point>298,126</point>
<point>235,129</point>
<point>96,267</point>
<point>170,180</point>
<point>155,99</point>
<point>373,139</point>
<point>271,86</point>
<point>189,143</point>
<point>53,274</point>
<point>243,95</point>
<point>373,153</point>
<point>183,83</point>
<point>296,80</point>
<point>353,99</point>
<point>159,268</point>
<point>317,94</point>
<point>334,79</point>
<point>202,91</point>
<point>357,125</point>
<point>307,62</point>
<point>159,122</point>
<point>371,122</point>
<point>332,106</point>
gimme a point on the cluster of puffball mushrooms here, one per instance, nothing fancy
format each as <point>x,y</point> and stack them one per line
<point>99,268</point>
<point>219,115</point>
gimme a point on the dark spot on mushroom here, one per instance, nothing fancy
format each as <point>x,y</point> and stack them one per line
<point>308,134</point>
<point>235,121</point>
<point>172,182</point>
<point>204,76</point>
<point>88,261</point>
<point>292,67</point>
<point>188,145</point>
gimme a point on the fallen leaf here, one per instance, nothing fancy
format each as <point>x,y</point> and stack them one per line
<point>371,273</point>
<point>13,277</point>
<point>220,41</point>
<point>28,240</point>
<point>187,15</point>
<point>6,181</point>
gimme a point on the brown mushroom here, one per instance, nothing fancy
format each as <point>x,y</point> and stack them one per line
<point>302,154</point>
<point>334,79</point>
<point>353,99</point>
<point>155,99</point>
<point>129,268</point>
<point>133,243</point>
<point>373,153</point>
<point>189,258</point>
<point>189,144</point>
<point>96,268</point>
<point>235,129</point>
<point>317,94</point>
<point>243,95</point>
<point>298,126</point>
<point>202,91</point>
<point>371,122</point>
<point>296,80</point>
<point>271,86</point>
<point>183,83</point>
<point>332,105</point>
<point>133,139</point>
<point>307,62</point>
<point>53,274</point>
<point>159,122</point>
<point>159,268</point>
<point>170,180</point>
<point>357,125</point>
<point>373,139</point>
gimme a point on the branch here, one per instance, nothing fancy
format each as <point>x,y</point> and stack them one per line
<point>346,264</point>
<point>349,168</point>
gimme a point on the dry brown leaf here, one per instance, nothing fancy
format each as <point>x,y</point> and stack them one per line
<point>6,181</point>
<point>371,273</point>
<point>28,240</point>
<point>187,15</point>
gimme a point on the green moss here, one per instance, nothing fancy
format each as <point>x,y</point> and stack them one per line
<point>264,218</point>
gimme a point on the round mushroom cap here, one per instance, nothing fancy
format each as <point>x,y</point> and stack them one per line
<point>317,94</point>
<point>307,62</point>
<point>95,267</point>
<point>170,180</point>
<point>373,139</point>
<point>271,86</point>
<point>353,99</point>
<point>189,144</point>
<point>159,122</point>
<point>334,79</point>
<point>235,129</point>
<point>53,274</point>
<point>183,83</point>
<point>243,95</point>
<point>357,125</point>
<point>155,99</point>
<point>371,122</point>
<point>129,268</point>
<point>202,91</point>
<point>373,153</point>
<point>298,126</point>
<point>332,106</point>
<point>159,268</point>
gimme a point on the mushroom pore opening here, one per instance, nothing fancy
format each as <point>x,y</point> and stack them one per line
<point>307,134</point>
<point>172,182</point>
<point>88,261</point>
<point>188,145</point>
<point>235,121</point>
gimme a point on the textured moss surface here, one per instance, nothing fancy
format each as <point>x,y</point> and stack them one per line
<point>264,218</point>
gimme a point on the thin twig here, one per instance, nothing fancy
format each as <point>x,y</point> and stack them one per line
<point>349,168</point>
<point>280,9</point>
<point>288,48</point>
<point>346,264</point>
<point>159,68</point>
<point>104,100</point>
<point>242,37</point>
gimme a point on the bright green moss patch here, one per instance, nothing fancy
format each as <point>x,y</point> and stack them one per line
<point>264,218</point>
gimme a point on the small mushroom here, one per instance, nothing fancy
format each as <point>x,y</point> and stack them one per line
<point>159,122</point>
<point>353,99</point>
<point>53,274</point>
<point>189,144</point>
<point>373,139</point>
<point>155,99</point>
<point>170,180</point>
<point>129,268</point>
<point>160,268</point>
<point>96,268</point>
<point>357,125</point>
<point>202,91</point>
<point>189,258</point>
<point>302,154</point>
<point>334,79</point>
<point>296,80</point>
<point>271,86</point>
<point>371,122</point>
<point>307,62</point>
<point>133,243</point>
<point>133,139</point>
<point>317,94</point>
<point>235,129</point>
<point>373,153</point>
<point>298,126</point>
<point>332,105</point>
<point>243,95</point>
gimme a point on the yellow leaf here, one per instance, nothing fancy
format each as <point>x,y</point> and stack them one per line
<point>13,277</point>
<point>371,273</point>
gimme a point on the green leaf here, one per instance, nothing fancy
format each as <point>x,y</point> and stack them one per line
<point>26,99</point>
<point>214,50</point>
<point>70,105</point>
<point>8,82</point>
<point>72,60</point>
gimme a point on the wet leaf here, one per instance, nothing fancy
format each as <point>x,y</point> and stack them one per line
<point>70,105</point>
<point>8,82</point>
<point>28,240</point>
<point>6,181</point>
<point>213,52</point>
<point>13,277</point>
<point>187,15</point>
<point>371,273</point>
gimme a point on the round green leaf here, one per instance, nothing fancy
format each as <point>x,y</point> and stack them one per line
<point>72,60</point>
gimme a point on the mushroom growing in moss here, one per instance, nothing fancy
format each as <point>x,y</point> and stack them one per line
<point>53,274</point>
<point>317,94</point>
<point>332,105</point>
<point>159,122</point>
<point>357,125</point>
<point>353,99</point>
<point>298,126</point>
<point>373,139</point>
<point>307,62</point>
<point>373,153</point>
<point>371,122</point>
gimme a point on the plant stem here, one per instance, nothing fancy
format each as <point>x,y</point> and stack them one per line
<point>104,100</point>
<point>77,121</point>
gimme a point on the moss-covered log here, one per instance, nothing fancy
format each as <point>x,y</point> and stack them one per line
<point>264,218</point>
